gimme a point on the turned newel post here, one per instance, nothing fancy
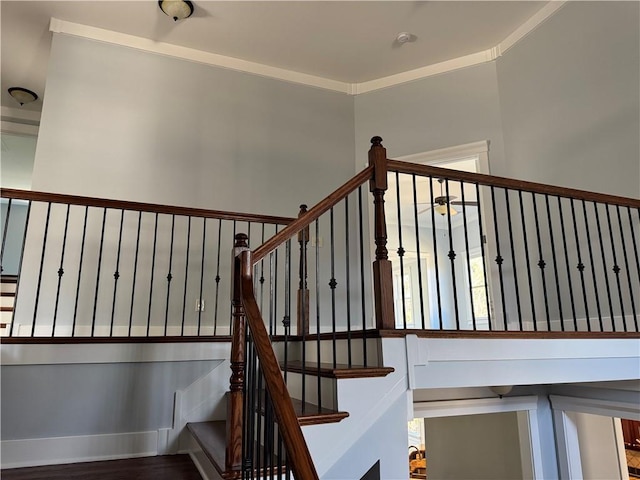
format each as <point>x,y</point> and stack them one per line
<point>303,290</point>
<point>233,457</point>
<point>382,273</point>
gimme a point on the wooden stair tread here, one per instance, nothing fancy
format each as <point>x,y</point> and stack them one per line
<point>313,415</point>
<point>212,438</point>
<point>9,279</point>
<point>6,309</point>
<point>339,371</point>
<point>7,294</point>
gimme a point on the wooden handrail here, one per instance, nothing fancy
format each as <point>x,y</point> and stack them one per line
<point>140,207</point>
<point>288,425</point>
<point>303,222</point>
<point>510,183</point>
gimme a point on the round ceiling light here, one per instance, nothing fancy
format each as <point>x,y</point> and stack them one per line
<point>176,9</point>
<point>22,95</point>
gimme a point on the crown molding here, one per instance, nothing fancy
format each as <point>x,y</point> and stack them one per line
<point>18,115</point>
<point>213,59</point>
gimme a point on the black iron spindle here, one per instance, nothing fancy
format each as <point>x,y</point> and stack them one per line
<point>419,258</point>
<point>593,270</point>
<point>60,271</point>
<point>482,253</point>
<point>22,249</point>
<point>499,258</point>
<point>468,255</point>
<point>435,253</point>
<point>525,237</point>
<point>318,355</point>
<point>116,274</point>
<point>566,262</point>
<point>186,275</point>
<point>217,279</point>
<point>135,271</point>
<point>44,246</point>
<point>541,263</point>
<point>580,266</point>
<point>286,320</point>
<point>616,270</point>
<point>401,253</point>
<point>362,291</point>
<point>5,229</point>
<point>555,262</point>
<point>153,267</point>
<point>604,266</point>
<point>271,294</point>
<point>169,275</point>
<point>95,298</point>
<point>513,261</point>
<point>332,284</point>
<point>452,257</point>
<point>261,279</point>
<point>84,235</point>
<point>627,269</point>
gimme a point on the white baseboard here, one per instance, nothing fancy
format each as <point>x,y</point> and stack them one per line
<point>86,448</point>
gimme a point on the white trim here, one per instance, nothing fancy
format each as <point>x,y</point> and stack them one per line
<point>567,446</point>
<point>18,128</point>
<point>607,408</point>
<point>18,114</point>
<point>530,25</point>
<point>147,45</point>
<point>455,408</point>
<point>86,448</point>
<point>199,56</point>
<point>50,354</point>
<point>448,153</point>
<point>620,450</point>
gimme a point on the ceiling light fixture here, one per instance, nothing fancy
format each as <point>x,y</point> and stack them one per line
<point>22,95</point>
<point>176,9</point>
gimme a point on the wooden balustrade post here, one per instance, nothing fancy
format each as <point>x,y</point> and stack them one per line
<point>382,272</point>
<point>303,290</point>
<point>233,456</point>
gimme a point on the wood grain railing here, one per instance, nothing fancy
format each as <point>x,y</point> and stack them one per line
<point>91,268</point>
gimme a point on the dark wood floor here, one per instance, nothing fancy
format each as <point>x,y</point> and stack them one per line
<point>167,467</point>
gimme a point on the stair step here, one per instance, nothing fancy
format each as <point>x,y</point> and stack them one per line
<point>310,414</point>
<point>6,309</point>
<point>7,294</point>
<point>9,279</point>
<point>212,438</point>
<point>339,371</point>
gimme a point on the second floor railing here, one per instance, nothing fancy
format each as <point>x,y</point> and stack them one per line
<point>97,268</point>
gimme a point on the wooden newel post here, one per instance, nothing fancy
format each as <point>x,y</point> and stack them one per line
<point>233,457</point>
<point>303,290</point>
<point>382,272</point>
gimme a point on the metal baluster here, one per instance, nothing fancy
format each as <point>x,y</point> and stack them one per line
<point>60,271</point>
<point>4,234</point>
<point>153,266</point>
<point>635,251</point>
<point>261,280</point>
<point>362,291</point>
<point>452,257</point>
<point>24,238</point>
<point>318,359</point>
<point>261,391</point>
<point>527,262</point>
<point>347,277</point>
<point>580,265</point>
<point>116,274</point>
<point>186,275</point>
<point>401,253</point>
<point>275,289</point>
<point>484,261</point>
<point>566,260</point>
<point>417,227</point>
<point>555,262</point>
<point>271,294</point>
<point>286,320</point>
<point>604,266</point>
<point>169,275</point>
<point>593,270</point>
<point>84,234</point>
<point>616,270</point>
<point>541,263</point>
<point>466,246</point>
<point>215,309</point>
<point>332,285</point>
<point>44,246</point>
<point>95,298</point>
<point>435,252</point>
<point>135,271</point>
<point>499,259</point>
<point>626,262</point>
<point>204,247</point>
<point>513,261</point>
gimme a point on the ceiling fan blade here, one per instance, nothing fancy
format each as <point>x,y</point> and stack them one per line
<point>466,203</point>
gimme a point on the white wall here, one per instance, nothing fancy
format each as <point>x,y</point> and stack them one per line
<point>120,123</point>
<point>473,446</point>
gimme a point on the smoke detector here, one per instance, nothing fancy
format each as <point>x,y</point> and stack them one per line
<point>403,38</point>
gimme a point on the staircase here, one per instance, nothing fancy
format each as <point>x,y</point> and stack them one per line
<point>321,381</point>
<point>7,300</point>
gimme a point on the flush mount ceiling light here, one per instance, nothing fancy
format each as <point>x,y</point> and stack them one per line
<point>22,95</point>
<point>176,9</point>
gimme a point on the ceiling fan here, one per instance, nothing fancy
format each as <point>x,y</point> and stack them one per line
<point>443,203</point>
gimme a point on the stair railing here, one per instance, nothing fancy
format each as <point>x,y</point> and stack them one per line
<point>92,269</point>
